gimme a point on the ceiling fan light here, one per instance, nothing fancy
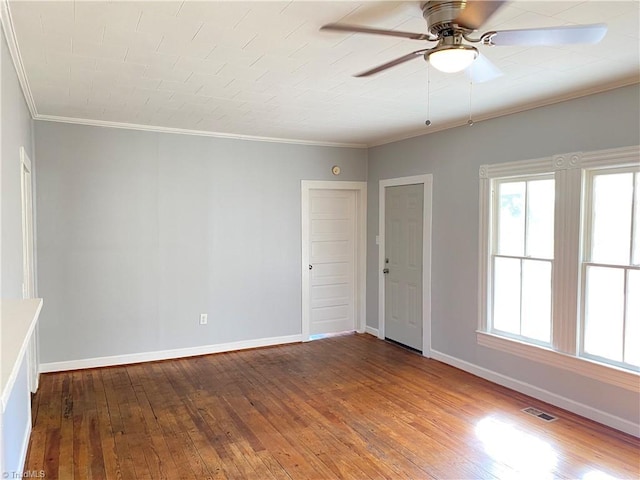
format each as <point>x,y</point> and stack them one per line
<point>452,59</point>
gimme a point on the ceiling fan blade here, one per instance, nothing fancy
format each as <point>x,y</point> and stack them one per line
<point>341,27</point>
<point>392,63</point>
<point>483,70</point>
<point>476,13</point>
<point>551,35</point>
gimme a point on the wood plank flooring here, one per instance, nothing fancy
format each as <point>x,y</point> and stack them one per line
<point>350,407</point>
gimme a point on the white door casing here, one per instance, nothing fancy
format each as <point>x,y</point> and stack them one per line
<point>403,264</point>
<point>28,281</point>
<point>334,245</point>
<point>427,182</point>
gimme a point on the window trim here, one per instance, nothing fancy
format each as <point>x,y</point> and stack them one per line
<point>567,170</point>
<point>586,367</point>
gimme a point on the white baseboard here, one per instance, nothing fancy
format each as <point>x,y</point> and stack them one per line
<point>371,331</point>
<point>541,394</point>
<point>165,354</point>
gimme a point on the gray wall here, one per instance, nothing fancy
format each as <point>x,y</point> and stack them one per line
<point>140,232</point>
<point>601,121</point>
<point>16,131</point>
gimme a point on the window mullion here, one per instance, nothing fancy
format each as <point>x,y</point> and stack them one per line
<point>634,204</point>
<point>624,313</point>
<point>521,283</point>
<point>525,247</point>
<point>566,263</point>
<point>632,261</point>
<point>487,205</point>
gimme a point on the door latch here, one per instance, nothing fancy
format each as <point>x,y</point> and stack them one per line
<point>386,270</point>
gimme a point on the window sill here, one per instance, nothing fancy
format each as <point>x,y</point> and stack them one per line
<point>588,368</point>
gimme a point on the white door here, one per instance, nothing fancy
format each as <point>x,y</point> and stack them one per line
<point>28,281</point>
<point>403,264</point>
<point>332,261</point>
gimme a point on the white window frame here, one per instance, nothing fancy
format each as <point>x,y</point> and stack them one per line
<point>495,183</point>
<point>589,175</point>
<point>569,171</point>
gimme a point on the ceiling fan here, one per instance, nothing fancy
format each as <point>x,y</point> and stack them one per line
<point>451,23</point>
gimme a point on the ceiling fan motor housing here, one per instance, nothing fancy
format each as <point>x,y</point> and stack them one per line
<point>439,16</point>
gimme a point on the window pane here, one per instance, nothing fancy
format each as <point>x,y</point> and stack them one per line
<point>511,218</point>
<point>506,295</point>
<point>636,223</point>
<point>612,197</point>
<point>536,300</point>
<point>540,213</point>
<point>632,327</point>
<point>604,312</point>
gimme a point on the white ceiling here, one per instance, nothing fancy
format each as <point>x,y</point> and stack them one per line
<point>263,69</point>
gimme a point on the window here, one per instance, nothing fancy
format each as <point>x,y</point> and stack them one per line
<point>560,262</point>
<point>522,259</point>
<point>611,267</point>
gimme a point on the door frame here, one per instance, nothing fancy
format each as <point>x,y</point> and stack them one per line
<point>29,262</point>
<point>361,249</point>
<point>427,181</point>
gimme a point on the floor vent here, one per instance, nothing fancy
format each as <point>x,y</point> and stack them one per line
<point>539,413</point>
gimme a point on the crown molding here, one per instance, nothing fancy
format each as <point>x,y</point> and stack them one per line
<point>622,82</point>
<point>184,131</point>
<point>14,50</point>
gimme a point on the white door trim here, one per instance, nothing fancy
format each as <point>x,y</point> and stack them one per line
<point>427,181</point>
<point>28,261</point>
<point>361,248</point>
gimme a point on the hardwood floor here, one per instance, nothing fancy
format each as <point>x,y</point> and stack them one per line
<point>344,407</point>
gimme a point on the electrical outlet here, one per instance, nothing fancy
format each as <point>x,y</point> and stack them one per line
<point>203,319</point>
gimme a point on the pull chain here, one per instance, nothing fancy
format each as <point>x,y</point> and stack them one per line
<point>428,122</point>
<point>470,122</point>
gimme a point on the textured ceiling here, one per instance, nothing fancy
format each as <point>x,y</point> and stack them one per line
<point>263,69</point>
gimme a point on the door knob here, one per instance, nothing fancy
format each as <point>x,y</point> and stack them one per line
<point>386,270</point>
<point>310,267</point>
